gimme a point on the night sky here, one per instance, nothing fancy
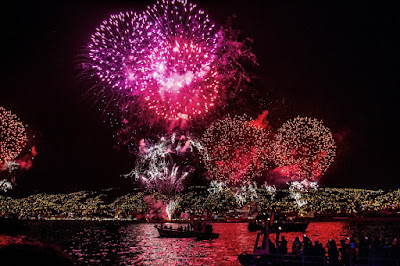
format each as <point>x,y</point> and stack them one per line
<point>336,62</point>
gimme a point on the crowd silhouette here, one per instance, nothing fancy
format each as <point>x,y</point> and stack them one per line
<point>372,251</point>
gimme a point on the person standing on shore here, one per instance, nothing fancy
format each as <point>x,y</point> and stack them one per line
<point>333,253</point>
<point>296,247</point>
<point>283,246</point>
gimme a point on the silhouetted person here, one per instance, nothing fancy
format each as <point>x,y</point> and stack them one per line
<point>296,247</point>
<point>395,249</point>
<point>333,252</point>
<point>385,249</point>
<point>307,246</point>
<point>351,250</point>
<point>374,251</point>
<point>363,250</point>
<point>345,259</point>
<point>33,254</point>
<point>272,248</point>
<point>283,246</point>
<point>306,241</point>
<point>321,250</point>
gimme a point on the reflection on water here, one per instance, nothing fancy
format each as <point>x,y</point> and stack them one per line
<point>234,238</point>
<point>138,244</point>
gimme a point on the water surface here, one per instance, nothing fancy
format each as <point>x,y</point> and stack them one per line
<point>97,243</point>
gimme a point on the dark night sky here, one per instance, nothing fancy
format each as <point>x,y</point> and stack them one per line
<point>336,62</point>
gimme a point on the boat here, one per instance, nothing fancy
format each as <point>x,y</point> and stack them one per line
<point>277,221</point>
<point>268,250</point>
<point>198,230</point>
<point>259,223</point>
<point>263,249</point>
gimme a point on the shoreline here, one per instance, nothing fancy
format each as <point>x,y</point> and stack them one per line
<point>312,220</point>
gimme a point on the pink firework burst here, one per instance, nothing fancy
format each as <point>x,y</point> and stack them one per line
<point>183,78</point>
<point>117,56</point>
<point>166,56</point>
<point>304,148</point>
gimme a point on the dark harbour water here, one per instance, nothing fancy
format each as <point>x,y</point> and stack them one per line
<point>95,243</point>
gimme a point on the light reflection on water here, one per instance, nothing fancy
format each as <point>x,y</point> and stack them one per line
<point>139,244</point>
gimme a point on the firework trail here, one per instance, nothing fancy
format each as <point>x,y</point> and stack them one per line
<point>241,194</point>
<point>5,185</point>
<point>304,149</point>
<point>297,189</point>
<point>271,190</point>
<point>234,150</point>
<point>164,166</point>
<point>216,187</point>
<point>245,193</point>
<point>171,207</point>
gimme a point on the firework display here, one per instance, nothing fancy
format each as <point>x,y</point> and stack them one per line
<point>12,136</point>
<point>304,148</point>
<point>165,56</point>
<point>298,189</point>
<point>171,207</point>
<point>183,77</point>
<point>170,61</point>
<point>245,193</point>
<point>5,185</point>
<point>234,149</point>
<point>163,166</point>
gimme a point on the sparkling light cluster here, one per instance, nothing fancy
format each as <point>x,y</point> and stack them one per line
<point>200,203</point>
<point>171,207</point>
<point>164,57</point>
<point>5,185</point>
<point>156,168</point>
<point>271,190</point>
<point>245,194</point>
<point>297,189</point>
<point>234,150</point>
<point>304,148</point>
<point>12,136</point>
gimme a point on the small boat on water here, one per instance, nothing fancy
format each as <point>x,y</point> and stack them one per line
<point>281,222</point>
<point>197,230</point>
<point>263,248</point>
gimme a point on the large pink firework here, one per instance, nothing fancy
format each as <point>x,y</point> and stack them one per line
<point>166,56</point>
<point>170,61</point>
<point>183,77</point>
